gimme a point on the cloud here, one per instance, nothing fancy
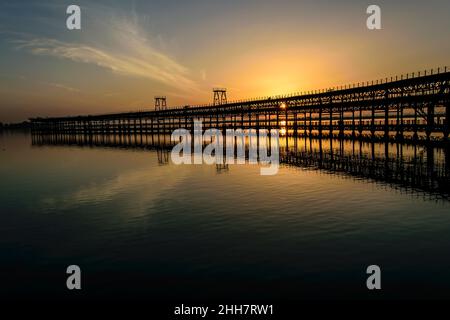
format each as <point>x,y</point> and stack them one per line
<point>145,63</point>
<point>119,42</point>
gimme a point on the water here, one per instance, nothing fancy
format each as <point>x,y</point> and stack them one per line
<point>141,227</point>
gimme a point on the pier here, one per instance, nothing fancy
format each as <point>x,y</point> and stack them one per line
<point>408,107</point>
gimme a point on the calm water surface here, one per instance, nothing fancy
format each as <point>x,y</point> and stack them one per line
<point>140,227</point>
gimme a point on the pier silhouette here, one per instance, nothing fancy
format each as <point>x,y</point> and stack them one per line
<point>409,107</point>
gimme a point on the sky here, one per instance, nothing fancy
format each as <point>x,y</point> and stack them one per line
<point>129,51</point>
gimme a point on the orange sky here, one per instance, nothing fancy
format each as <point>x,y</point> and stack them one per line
<point>126,54</point>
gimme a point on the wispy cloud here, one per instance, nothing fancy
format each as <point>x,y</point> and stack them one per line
<point>118,44</point>
<point>148,64</point>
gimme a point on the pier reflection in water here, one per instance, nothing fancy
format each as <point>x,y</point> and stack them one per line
<point>421,168</point>
<point>141,227</point>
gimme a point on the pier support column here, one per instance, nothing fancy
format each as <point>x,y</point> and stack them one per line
<point>415,136</point>
<point>331,122</point>
<point>398,121</point>
<point>341,123</point>
<point>372,122</point>
<point>320,118</point>
<point>310,123</point>
<point>360,124</point>
<point>386,122</point>
<point>286,117</point>
<point>353,123</point>
<point>400,127</point>
<point>447,120</point>
<point>257,122</point>
<point>278,119</point>
<point>295,125</point>
<point>430,120</point>
<point>305,132</point>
